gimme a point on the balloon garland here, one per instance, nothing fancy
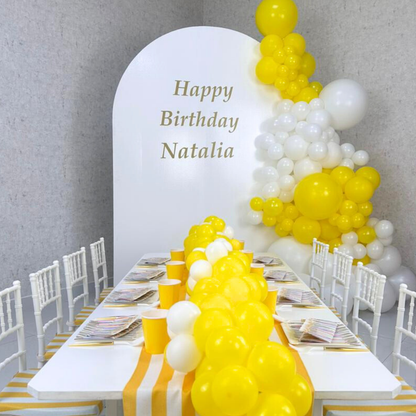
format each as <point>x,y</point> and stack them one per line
<point>222,332</point>
<point>312,185</point>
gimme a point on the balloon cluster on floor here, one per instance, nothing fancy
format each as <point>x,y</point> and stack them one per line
<point>223,333</point>
<point>312,186</point>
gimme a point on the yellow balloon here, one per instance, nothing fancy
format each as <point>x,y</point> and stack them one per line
<point>215,301</point>
<point>201,395</point>
<point>318,196</point>
<point>205,231</point>
<point>203,242</point>
<point>296,41</point>
<point>359,189</point>
<point>266,70</point>
<point>308,64</point>
<point>317,86</point>
<point>271,404</point>
<point>197,298</point>
<point>273,207</point>
<point>291,212</point>
<point>276,17</point>
<point>253,284</point>
<point>328,231</point>
<point>365,260</point>
<point>269,221</point>
<point>227,346</point>
<point>305,230</point>
<point>293,61</point>
<point>273,365</point>
<point>344,223</point>
<point>358,220</point>
<point>204,367</point>
<point>208,321</point>
<point>236,244</point>
<point>255,320</point>
<point>335,243</point>
<point>371,174</point>
<point>207,285</point>
<point>342,175</point>
<point>193,229</point>
<point>210,218</point>
<point>279,56</point>
<point>263,285</point>
<point>218,224</point>
<point>235,289</point>
<point>280,231</point>
<point>287,224</point>
<point>293,89</point>
<point>348,208</point>
<point>307,94</point>
<point>300,395</point>
<point>241,256</point>
<point>193,257</point>
<point>302,81</point>
<point>365,208</point>
<point>256,204</point>
<point>270,44</point>
<point>366,235</point>
<point>292,75</point>
<point>333,219</point>
<point>229,266</point>
<point>281,84</point>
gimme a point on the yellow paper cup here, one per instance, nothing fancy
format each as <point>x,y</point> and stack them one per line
<point>177,254</point>
<point>271,298</point>
<point>175,270</point>
<point>249,254</point>
<point>169,290</point>
<point>257,268</point>
<point>242,244</point>
<point>155,330</point>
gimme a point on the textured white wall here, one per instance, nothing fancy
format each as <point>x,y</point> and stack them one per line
<point>61,62</point>
<point>372,42</point>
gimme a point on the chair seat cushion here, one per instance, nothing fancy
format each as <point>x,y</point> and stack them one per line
<point>55,344</point>
<point>16,400</point>
<point>105,292</point>
<point>85,312</point>
<point>403,404</point>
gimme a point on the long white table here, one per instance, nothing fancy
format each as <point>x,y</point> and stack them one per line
<point>101,373</point>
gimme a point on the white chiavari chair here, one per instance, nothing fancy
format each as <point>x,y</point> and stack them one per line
<point>341,276</point>
<point>99,262</point>
<point>46,290</point>
<point>319,261</point>
<point>75,266</point>
<point>369,290</point>
<point>405,402</point>
<point>15,398</point>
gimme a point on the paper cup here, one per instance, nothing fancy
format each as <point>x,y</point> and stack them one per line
<point>169,290</point>
<point>175,270</point>
<point>155,330</point>
<point>271,298</point>
<point>242,244</point>
<point>257,268</point>
<point>177,254</point>
<point>249,254</point>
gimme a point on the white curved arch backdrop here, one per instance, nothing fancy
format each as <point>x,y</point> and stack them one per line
<point>170,172</point>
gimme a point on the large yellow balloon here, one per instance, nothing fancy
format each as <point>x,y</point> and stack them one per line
<point>342,175</point>
<point>234,390</point>
<point>328,231</point>
<point>305,230</point>
<point>236,289</point>
<point>371,174</point>
<point>197,298</point>
<point>218,224</point>
<point>227,267</point>
<point>270,44</point>
<point>205,231</point>
<point>243,257</point>
<point>255,320</point>
<point>207,285</point>
<point>276,17</point>
<point>318,196</point>
<point>193,257</point>
<point>253,284</point>
<point>208,321</point>
<point>201,395</point>
<point>215,301</point>
<point>273,365</point>
<point>359,189</point>
<point>273,405</point>
<point>300,395</point>
<point>263,285</point>
<point>204,367</point>
<point>227,346</point>
<point>366,234</point>
<point>297,42</point>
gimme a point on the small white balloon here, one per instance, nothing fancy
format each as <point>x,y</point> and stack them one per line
<point>299,127</point>
<point>320,117</point>
<point>254,217</point>
<point>182,353</point>
<point>201,269</point>
<point>372,221</point>
<point>306,167</point>
<point>285,166</point>
<point>286,182</point>
<point>390,261</point>
<point>384,229</point>
<point>286,122</point>
<point>317,104</point>
<point>312,132</point>
<point>347,150</point>
<point>182,316</point>
<point>224,242</point>
<point>229,232</point>
<point>334,156</point>
<point>360,157</point>
<point>318,151</point>
<point>346,249</point>
<point>281,136</point>
<point>330,131</point>
<point>268,174</point>
<point>375,249</point>
<point>284,106</point>
<point>270,190</point>
<point>275,151</point>
<point>300,110</point>
<point>359,251</point>
<point>264,141</point>
<point>217,250</point>
<point>347,163</point>
<point>386,241</point>
<point>324,137</point>
<point>191,284</point>
<point>287,196</point>
<point>335,138</point>
<point>295,147</point>
<point>350,238</point>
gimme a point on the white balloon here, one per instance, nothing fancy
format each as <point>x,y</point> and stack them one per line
<point>346,101</point>
<point>335,138</point>
<point>264,141</point>
<point>372,221</point>
<point>359,251</point>
<point>374,267</point>
<point>386,241</point>
<point>295,147</point>
<point>284,106</point>
<point>350,238</point>
<point>287,196</point>
<point>317,104</point>
<point>182,353</point>
<point>318,151</point>
<point>334,156</point>
<point>217,250</point>
<point>254,217</point>
<point>306,167</point>
<point>375,250</point>
<point>320,117</point>
<point>229,232</point>
<point>191,284</point>
<point>270,190</point>
<point>275,151</point>
<point>347,150</point>
<point>201,269</point>
<point>286,182</point>
<point>281,136</point>
<point>384,229</point>
<point>390,261</point>
<point>285,166</point>
<point>300,126</point>
<point>295,254</point>
<point>311,132</point>
<point>348,163</point>
<point>360,157</point>
<point>182,316</point>
<point>330,131</point>
<point>324,137</point>
<point>268,174</point>
<point>402,275</point>
<point>286,122</point>
<point>300,110</point>
<point>346,249</point>
<point>389,298</point>
<point>225,243</point>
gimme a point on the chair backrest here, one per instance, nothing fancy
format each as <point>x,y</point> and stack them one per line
<point>369,290</point>
<point>99,262</point>
<point>75,267</point>
<point>341,275</point>
<point>9,326</point>
<point>46,290</point>
<point>409,330</point>
<point>319,261</point>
